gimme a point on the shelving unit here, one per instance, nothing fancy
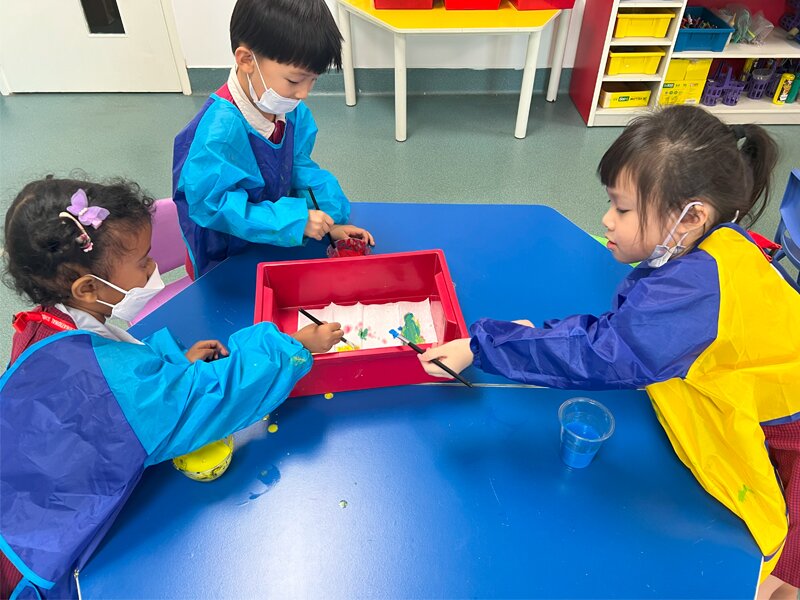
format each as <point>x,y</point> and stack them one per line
<point>595,42</point>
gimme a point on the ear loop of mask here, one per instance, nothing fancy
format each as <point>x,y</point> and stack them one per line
<point>684,212</point>
<point>260,75</point>
<point>662,253</point>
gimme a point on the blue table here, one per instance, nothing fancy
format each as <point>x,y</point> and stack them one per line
<point>431,491</point>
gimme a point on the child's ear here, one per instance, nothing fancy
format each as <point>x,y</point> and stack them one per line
<point>84,289</point>
<point>244,60</point>
<point>696,218</point>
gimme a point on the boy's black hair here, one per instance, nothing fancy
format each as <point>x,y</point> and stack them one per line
<point>684,153</point>
<point>42,255</point>
<point>301,33</point>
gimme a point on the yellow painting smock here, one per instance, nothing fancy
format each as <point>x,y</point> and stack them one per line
<point>748,376</point>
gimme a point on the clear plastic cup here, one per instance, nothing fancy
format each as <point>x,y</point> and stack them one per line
<point>585,425</point>
<point>349,246</point>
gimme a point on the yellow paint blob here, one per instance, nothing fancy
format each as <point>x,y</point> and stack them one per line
<point>328,396</point>
<point>346,348</point>
<point>272,428</point>
<point>207,463</point>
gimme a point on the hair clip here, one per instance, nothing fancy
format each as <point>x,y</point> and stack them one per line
<point>88,215</point>
<point>83,239</point>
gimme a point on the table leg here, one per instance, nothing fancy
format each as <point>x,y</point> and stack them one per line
<point>347,57</point>
<point>400,87</point>
<point>559,46</point>
<point>528,75</point>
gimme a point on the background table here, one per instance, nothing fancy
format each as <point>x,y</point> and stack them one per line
<point>450,492</point>
<point>441,21</point>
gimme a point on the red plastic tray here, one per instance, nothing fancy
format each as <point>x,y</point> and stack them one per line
<point>283,287</point>
<point>472,4</point>
<point>543,4</point>
<point>414,4</point>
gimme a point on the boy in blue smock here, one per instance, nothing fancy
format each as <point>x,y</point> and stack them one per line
<point>242,168</point>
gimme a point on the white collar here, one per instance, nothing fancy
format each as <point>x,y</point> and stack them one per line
<point>251,114</point>
<point>87,322</point>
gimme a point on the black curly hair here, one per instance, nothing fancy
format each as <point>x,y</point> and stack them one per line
<point>43,254</point>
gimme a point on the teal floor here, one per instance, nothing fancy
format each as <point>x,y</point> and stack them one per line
<point>460,148</point>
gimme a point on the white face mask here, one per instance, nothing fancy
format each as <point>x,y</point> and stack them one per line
<point>662,253</point>
<point>271,101</point>
<point>135,298</point>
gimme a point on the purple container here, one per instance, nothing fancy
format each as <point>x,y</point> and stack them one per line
<point>774,81</point>
<point>790,20</point>
<point>712,93</point>
<point>759,80</point>
<point>730,97</point>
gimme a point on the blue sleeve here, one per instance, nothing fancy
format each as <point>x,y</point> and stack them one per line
<point>663,325</point>
<point>216,176</point>
<point>163,343</point>
<point>307,174</point>
<point>177,407</point>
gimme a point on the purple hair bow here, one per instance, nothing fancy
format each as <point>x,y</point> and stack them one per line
<point>88,215</point>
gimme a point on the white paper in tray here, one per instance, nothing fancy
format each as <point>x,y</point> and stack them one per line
<point>367,325</point>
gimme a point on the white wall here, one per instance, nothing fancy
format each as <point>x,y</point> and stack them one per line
<point>203,29</point>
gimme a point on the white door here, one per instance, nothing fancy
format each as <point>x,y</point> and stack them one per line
<point>90,46</point>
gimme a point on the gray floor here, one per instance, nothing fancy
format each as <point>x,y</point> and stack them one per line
<point>460,148</point>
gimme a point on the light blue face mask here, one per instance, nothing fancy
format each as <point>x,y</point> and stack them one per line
<point>662,253</point>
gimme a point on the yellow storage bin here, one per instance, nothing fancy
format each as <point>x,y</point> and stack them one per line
<point>651,23</point>
<point>623,95</point>
<point>681,68</point>
<point>682,92</point>
<point>640,61</point>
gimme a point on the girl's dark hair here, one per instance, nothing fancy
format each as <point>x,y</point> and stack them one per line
<point>42,253</point>
<point>684,153</point>
<point>301,33</point>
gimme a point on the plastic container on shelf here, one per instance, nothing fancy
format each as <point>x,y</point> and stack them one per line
<point>777,74</point>
<point>757,85</point>
<point>643,23</point>
<point>624,95</point>
<point>712,92</point>
<point>641,61</point>
<point>543,4</point>
<point>472,4</point>
<point>403,4</point>
<point>709,39</point>
<point>789,21</point>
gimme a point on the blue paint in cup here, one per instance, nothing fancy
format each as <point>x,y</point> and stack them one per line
<point>585,425</point>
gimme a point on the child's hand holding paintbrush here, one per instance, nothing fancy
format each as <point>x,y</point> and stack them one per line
<point>320,225</point>
<point>319,337</point>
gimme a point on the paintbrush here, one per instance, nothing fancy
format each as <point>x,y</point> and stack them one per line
<point>316,321</point>
<point>316,206</point>
<point>435,361</point>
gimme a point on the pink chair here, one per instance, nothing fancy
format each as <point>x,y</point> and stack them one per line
<point>168,251</point>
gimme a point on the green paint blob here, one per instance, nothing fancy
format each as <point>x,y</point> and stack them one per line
<point>363,333</point>
<point>743,493</point>
<point>411,330</point>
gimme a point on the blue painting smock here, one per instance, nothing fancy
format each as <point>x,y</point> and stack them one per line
<point>714,338</point>
<point>82,416</point>
<point>233,187</point>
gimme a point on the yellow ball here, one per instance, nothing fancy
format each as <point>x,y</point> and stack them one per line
<point>208,462</point>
